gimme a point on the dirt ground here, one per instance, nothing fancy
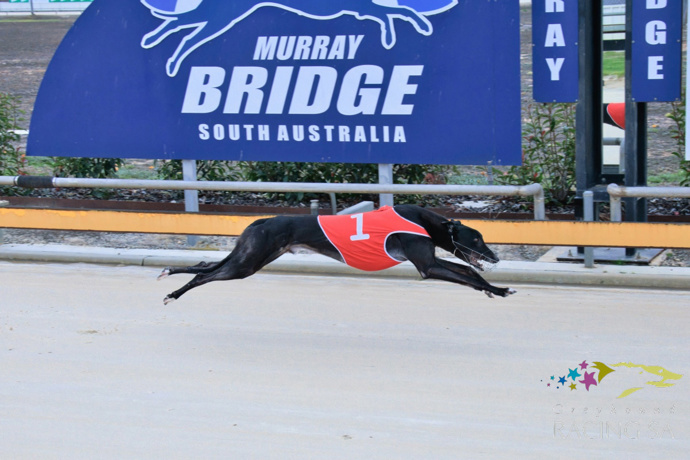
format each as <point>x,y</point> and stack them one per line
<point>28,46</point>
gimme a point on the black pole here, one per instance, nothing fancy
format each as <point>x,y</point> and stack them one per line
<point>589,112</point>
<point>635,136</point>
<point>589,115</point>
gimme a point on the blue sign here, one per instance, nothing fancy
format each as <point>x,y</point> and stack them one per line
<point>365,81</point>
<point>657,29</point>
<point>555,52</point>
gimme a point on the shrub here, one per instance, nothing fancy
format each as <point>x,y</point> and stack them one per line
<point>677,115</point>
<point>211,170</point>
<point>92,168</point>
<point>11,158</point>
<point>548,152</point>
<point>353,173</point>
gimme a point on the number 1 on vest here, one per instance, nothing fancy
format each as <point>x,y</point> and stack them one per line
<point>360,228</point>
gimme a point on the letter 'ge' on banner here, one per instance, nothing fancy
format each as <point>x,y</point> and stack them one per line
<point>657,28</point>
<point>555,51</point>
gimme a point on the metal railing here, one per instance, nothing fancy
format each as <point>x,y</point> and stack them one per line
<point>617,192</point>
<point>534,190</point>
<point>37,7</point>
<point>3,204</point>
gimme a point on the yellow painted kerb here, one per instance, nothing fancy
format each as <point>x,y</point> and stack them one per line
<point>130,222</point>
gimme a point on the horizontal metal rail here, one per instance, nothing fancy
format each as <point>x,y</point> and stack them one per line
<point>617,192</point>
<point>534,190</point>
<point>613,141</point>
<point>51,8</point>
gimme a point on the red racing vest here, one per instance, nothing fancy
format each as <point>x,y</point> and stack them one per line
<point>361,238</point>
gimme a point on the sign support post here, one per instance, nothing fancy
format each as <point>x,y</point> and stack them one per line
<point>687,83</point>
<point>386,177</point>
<point>635,135</point>
<point>589,112</point>
<point>191,197</point>
<point>653,68</point>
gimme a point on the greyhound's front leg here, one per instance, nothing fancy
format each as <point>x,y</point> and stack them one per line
<point>461,274</point>
<point>153,38</point>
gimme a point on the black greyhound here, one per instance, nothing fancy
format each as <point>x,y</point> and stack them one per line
<point>412,234</point>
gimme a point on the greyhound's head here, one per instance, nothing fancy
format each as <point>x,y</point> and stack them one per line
<point>468,245</point>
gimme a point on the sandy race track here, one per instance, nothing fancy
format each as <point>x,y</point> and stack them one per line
<point>94,366</point>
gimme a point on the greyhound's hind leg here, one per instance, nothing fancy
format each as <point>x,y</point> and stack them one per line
<point>254,249</point>
<point>198,268</point>
<point>225,272</point>
<point>232,268</point>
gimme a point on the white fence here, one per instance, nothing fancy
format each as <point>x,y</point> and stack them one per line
<point>534,190</point>
<point>43,6</point>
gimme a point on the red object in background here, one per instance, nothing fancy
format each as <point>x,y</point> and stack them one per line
<point>614,114</point>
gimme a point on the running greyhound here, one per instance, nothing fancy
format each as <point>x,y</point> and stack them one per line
<point>368,241</point>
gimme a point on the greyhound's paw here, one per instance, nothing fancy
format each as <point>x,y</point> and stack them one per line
<point>504,292</point>
<point>168,299</point>
<point>507,292</point>
<point>164,274</point>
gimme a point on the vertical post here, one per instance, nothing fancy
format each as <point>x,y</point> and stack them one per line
<point>589,112</point>
<point>635,136</point>
<point>687,80</point>
<point>616,212</point>
<point>334,203</point>
<point>3,204</point>
<point>589,115</point>
<point>588,202</point>
<point>386,177</point>
<point>31,5</point>
<point>191,197</point>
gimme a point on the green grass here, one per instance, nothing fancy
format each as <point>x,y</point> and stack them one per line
<point>614,64</point>
<point>671,178</point>
<point>43,166</point>
<point>467,179</point>
<point>130,171</point>
<point>39,166</point>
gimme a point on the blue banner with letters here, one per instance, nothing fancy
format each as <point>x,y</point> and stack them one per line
<point>367,81</point>
<point>555,52</point>
<point>657,31</point>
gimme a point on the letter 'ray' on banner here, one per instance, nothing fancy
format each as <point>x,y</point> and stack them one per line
<point>555,50</point>
<point>364,81</point>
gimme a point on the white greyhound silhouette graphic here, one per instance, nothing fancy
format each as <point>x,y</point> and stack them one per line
<point>209,19</point>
